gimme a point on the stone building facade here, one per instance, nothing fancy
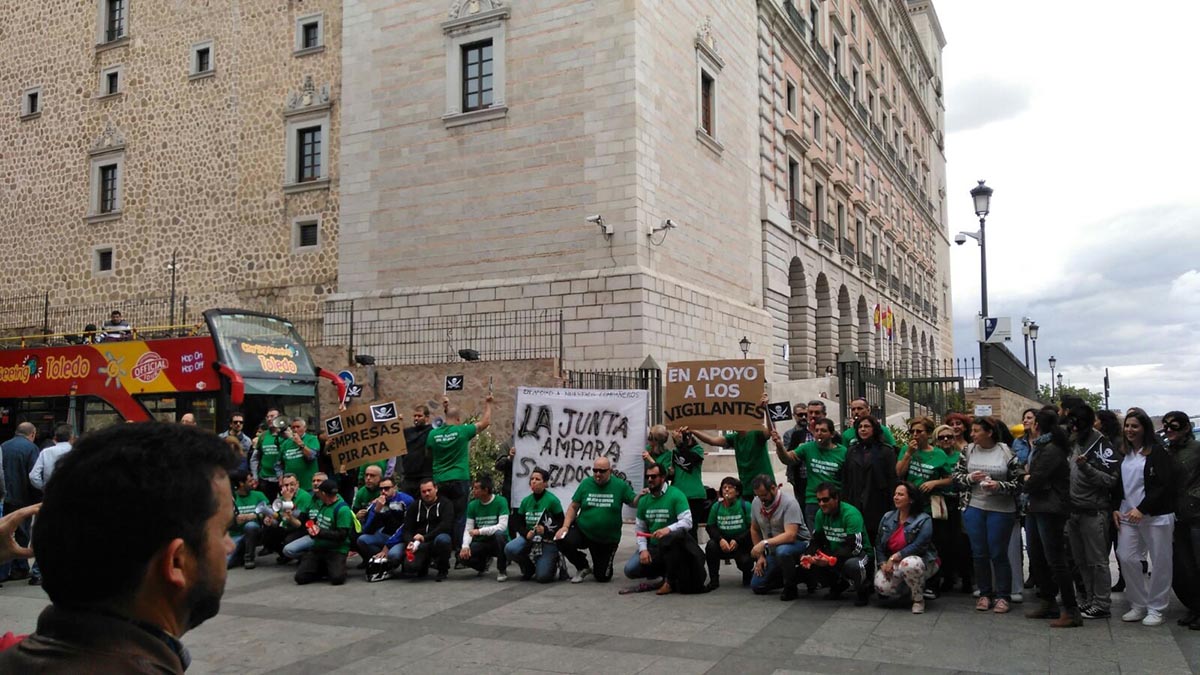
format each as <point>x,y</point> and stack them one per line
<point>140,128</point>
<point>483,139</point>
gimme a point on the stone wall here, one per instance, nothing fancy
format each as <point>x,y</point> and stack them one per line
<point>1006,405</point>
<point>204,157</point>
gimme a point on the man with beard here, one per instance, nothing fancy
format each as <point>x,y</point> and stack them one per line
<point>416,466</point>
<point>123,607</point>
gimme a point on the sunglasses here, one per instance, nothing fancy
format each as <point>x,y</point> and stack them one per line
<point>945,438</point>
<point>1173,427</point>
<point>601,470</point>
<point>386,488</point>
<point>824,500</point>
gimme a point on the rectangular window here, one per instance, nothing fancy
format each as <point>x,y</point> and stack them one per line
<point>108,188</point>
<point>203,60</point>
<point>854,23</point>
<point>870,51</point>
<point>31,102</point>
<point>858,173</point>
<point>841,224</point>
<point>477,76</point>
<point>310,33</point>
<point>819,201</point>
<point>104,260</point>
<point>816,126</point>
<point>835,54</point>
<point>110,81</point>
<point>795,192</point>
<point>114,20</point>
<point>859,235</point>
<point>308,166</point>
<point>791,98</point>
<point>306,233</point>
<point>707,101</point>
<point>837,151</point>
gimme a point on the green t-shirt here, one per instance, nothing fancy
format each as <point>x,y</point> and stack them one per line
<point>362,470</point>
<point>293,458</point>
<point>244,505</point>
<point>846,522</point>
<point>932,464</point>
<point>451,450</point>
<point>848,436</point>
<point>533,508</point>
<point>600,508</point>
<point>325,521</point>
<point>823,466</point>
<point>732,521</point>
<point>363,497</point>
<point>750,452</point>
<point>688,473</point>
<point>659,512</point>
<point>488,515</point>
<point>268,456</point>
<point>301,505</point>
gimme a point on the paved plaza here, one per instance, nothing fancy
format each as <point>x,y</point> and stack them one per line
<point>268,624</point>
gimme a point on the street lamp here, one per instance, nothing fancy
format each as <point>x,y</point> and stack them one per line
<point>982,196</point>
<point>744,343</point>
<point>1053,362</point>
<point>1033,333</point>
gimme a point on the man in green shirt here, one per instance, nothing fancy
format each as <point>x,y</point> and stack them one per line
<point>839,532</point>
<point>247,526</point>
<point>536,521</point>
<point>685,472</point>
<point>450,447</point>
<point>664,522</point>
<point>859,408</point>
<point>299,451</point>
<point>333,524</point>
<point>729,533</point>
<point>823,460</point>
<point>266,464</point>
<point>291,509</point>
<point>749,448</point>
<point>367,493</point>
<point>593,521</point>
<point>486,529</point>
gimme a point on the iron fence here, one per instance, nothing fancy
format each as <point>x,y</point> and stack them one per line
<point>39,321</point>
<point>647,378</point>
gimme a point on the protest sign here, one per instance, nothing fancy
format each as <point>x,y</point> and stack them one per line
<point>365,433</point>
<point>454,383</point>
<point>780,412</point>
<point>714,395</point>
<point>564,430</point>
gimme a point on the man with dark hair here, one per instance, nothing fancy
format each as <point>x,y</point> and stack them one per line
<point>246,529</point>
<point>236,422</point>
<point>450,446</point>
<point>155,573</point>
<point>538,518</point>
<point>382,537</point>
<point>486,529</point>
<point>44,466</point>
<point>1094,466</point>
<point>1185,449</point>
<point>593,522</point>
<point>332,526</point>
<point>291,509</point>
<point>18,454</point>
<point>806,417</point>
<point>116,328</point>
<point>417,464</point>
<point>729,533</point>
<point>839,532</point>
<point>664,523</point>
<point>427,533</point>
<point>779,536</point>
<point>823,459</point>
<point>266,464</point>
<point>860,408</point>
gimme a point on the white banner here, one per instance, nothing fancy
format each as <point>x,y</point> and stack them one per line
<point>564,430</point>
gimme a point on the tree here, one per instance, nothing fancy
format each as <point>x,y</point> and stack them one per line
<point>1093,399</point>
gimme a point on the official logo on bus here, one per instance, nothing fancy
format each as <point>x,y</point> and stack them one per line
<point>149,366</point>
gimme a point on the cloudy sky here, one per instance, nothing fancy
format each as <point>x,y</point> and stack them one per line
<point>1082,116</point>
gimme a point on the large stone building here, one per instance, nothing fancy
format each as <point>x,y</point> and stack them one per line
<point>136,129</point>
<point>771,171</point>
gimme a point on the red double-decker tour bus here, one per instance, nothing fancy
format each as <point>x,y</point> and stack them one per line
<point>236,360</point>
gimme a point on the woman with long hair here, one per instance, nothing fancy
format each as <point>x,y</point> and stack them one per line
<point>928,468</point>
<point>960,424</point>
<point>869,474</point>
<point>1048,486</point>
<point>904,552</point>
<point>956,550</point>
<point>988,474</point>
<point>1145,520</point>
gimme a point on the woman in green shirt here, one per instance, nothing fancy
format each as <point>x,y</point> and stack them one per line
<point>729,533</point>
<point>928,468</point>
<point>956,550</point>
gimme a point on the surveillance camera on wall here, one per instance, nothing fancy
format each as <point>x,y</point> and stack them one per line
<point>960,239</point>
<point>669,224</point>
<point>599,220</point>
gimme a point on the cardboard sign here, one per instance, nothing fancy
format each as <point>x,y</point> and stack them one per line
<point>455,383</point>
<point>564,430</point>
<point>365,433</point>
<point>714,395</point>
<point>780,412</point>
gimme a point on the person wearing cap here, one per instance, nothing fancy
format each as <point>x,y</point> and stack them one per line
<point>330,528</point>
<point>427,533</point>
<point>247,523</point>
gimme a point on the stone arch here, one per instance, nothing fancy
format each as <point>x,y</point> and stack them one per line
<point>846,337</point>
<point>905,350</point>
<point>826,328</point>
<point>915,361</point>
<point>801,355</point>
<point>866,342</point>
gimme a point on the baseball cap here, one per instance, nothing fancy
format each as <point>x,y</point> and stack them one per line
<point>328,486</point>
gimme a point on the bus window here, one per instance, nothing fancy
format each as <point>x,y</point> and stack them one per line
<point>171,407</point>
<point>98,414</point>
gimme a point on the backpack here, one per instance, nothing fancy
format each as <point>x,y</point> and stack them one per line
<point>337,509</point>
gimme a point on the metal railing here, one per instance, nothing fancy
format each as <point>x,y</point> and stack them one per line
<point>826,233</point>
<point>799,213</point>
<point>848,249</point>
<point>822,55</point>
<point>35,319</point>
<point>895,283</point>
<point>843,84</point>
<point>866,262</point>
<point>648,379</point>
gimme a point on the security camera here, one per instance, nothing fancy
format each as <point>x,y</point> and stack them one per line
<point>599,220</point>
<point>669,224</point>
<point>596,219</point>
<point>960,239</point>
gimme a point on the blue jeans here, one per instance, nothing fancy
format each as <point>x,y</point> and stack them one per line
<point>245,545</point>
<point>989,532</point>
<point>781,568</point>
<point>634,569</point>
<point>544,569</point>
<point>369,545</point>
<point>298,548</point>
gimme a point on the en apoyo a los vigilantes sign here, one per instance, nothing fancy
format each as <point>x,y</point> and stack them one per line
<point>365,433</point>
<point>565,430</point>
<point>714,395</point>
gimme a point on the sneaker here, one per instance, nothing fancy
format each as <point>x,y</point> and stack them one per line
<point>919,606</point>
<point>1135,614</point>
<point>975,593</point>
<point>1093,612</point>
<point>930,594</point>
<point>1153,619</point>
<point>1001,607</point>
<point>581,575</point>
<point>983,604</point>
<point>502,577</point>
<point>250,564</point>
<point>1017,597</point>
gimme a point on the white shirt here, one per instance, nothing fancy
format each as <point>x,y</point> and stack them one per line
<point>1133,475</point>
<point>44,466</point>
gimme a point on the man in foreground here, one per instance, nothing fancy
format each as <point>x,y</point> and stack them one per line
<point>123,607</point>
<point>331,529</point>
<point>593,522</point>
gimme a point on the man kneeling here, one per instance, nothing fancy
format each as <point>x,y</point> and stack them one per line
<point>330,531</point>
<point>779,534</point>
<point>841,548</point>
<point>538,519</point>
<point>427,533</point>
<point>486,531</point>
<point>665,547</point>
<point>729,533</point>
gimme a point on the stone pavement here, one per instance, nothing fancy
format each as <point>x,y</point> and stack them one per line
<point>268,624</point>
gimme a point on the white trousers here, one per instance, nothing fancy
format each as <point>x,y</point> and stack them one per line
<point>1133,541</point>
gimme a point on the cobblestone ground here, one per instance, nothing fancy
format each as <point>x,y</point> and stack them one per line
<point>268,624</point>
